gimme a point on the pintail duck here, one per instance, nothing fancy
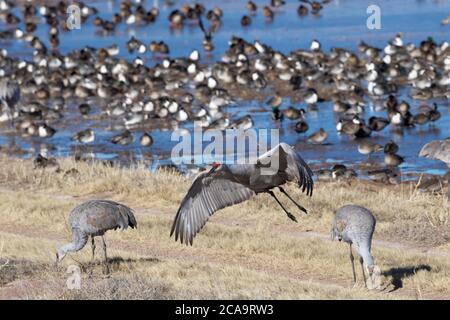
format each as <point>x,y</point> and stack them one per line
<point>251,6</point>
<point>277,3</point>
<point>323,174</point>
<point>391,103</point>
<point>367,147</point>
<point>311,96</point>
<point>378,123</point>
<point>275,101</point>
<point>340,107</point>
<point>146,140</point>
<point>244,123</point>
<point>391,147</point>
<point>124,138</point>
<point>349,126</point>
<point>207,40</point>
<point>276,114</point>
<point>434,114</point>
<point>176,18</point>
<point>315,45</point>
<point>12,19</point>
<point>215,16</point>
<point>318,137</point>
<point>6,5</point>
<point>31,27</point>
<point>246,21</point>
<point>302,10</point>
<point>395,117</point>
<point>383,176</point>
<point>135,45</point>
<point>84,109</point>
<point>340,171</point>
<point>45,131</point>
<point>159,47</point>
<point>293,113</point>
<point>84,136</point>
<point>301,126</point>
<point>316,6</point>
<point>42,162</point>
<point>392,159</point>
<point>268,13</point>
<point>403,107</point>
<point>420,118</point>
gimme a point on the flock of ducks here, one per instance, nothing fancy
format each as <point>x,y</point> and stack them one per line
<point>177,91</point>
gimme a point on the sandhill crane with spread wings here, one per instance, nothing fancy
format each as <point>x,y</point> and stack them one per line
<point>93,218</point>
<point>226,185</point>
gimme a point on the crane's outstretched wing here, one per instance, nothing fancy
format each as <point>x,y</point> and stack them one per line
<point>290,163</point>
<point>297,167</point>
<point>438,149</point>
<point>103,215</point>
<point>209,192</point>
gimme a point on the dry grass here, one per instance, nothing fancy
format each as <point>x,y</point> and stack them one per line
<point>247,251</point>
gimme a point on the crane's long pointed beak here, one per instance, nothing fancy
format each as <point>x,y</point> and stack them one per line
<point>303,209</point>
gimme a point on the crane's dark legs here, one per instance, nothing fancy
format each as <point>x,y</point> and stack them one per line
<point>93,248</point>
<point>290,215</point>
<point>352,259</point>
<point>363,272</point>
<point>105,255</point>
<point>295,202</point>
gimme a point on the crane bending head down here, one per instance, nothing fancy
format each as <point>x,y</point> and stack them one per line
<point>94,218</point>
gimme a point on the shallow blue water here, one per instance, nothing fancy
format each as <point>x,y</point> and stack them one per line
<point>341,24</point>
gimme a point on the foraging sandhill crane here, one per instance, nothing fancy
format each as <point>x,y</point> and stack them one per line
<point>9,96</point>
<point>93,218</point>
<point>439,150</point>
<point>226,185</point>
<point>355,225</point>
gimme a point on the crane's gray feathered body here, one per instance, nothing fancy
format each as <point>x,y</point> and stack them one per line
<point>439,150</point>
<point>226,185</point>
<point>93,218</point>
<point>355,225</point>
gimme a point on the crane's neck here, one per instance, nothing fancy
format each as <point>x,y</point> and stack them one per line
<point>70,247</point>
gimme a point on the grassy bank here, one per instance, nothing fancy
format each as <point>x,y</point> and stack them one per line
<point>251,250</point>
